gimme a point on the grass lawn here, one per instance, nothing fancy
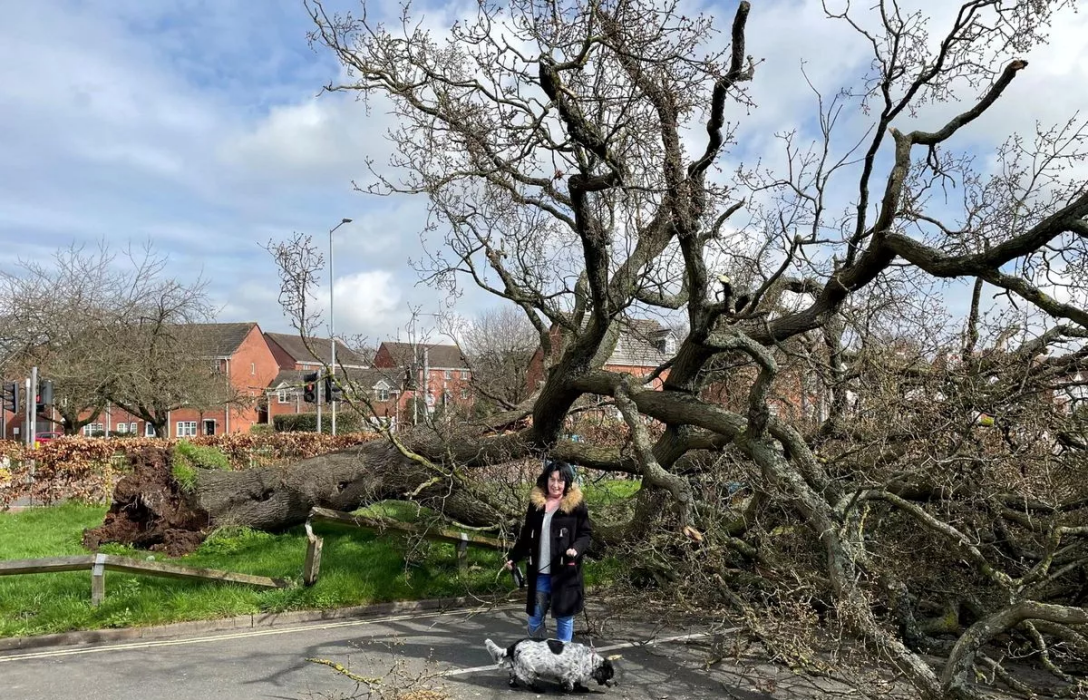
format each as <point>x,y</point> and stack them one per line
<point>357,567</point>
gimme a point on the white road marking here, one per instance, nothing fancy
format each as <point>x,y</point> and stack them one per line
<point>600,650</point>
<point>219,637</point>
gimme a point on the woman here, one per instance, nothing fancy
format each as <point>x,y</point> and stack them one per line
<point>555,536</point>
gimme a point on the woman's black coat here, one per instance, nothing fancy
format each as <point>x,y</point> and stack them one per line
<point>571,527</point>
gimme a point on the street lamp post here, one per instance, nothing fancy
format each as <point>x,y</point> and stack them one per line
<point>332,321</point>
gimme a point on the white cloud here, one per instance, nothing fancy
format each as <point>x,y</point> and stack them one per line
<point>327,138</point>
<point>368,303</point>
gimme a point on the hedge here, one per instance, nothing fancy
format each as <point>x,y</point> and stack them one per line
<point>307,423</point>
<point>87,469</point>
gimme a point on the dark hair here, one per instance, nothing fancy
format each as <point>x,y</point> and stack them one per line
<point>565,470</point>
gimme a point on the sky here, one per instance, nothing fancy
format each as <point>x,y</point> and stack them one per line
<point>198,125</point>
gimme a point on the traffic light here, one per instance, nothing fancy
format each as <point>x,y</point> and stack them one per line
<point>11,397</point>
<point>45,394</point>
<point>309,389</point>
<point>333,392</point>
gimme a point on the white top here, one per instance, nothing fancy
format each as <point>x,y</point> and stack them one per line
<point>544,565</point>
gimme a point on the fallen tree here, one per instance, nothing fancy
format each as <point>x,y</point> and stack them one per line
<point>547,139</point>
<point>152,508</point>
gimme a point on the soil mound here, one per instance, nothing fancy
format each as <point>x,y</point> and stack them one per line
<point>149,509</point>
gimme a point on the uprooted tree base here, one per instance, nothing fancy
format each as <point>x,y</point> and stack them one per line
<point>150,511</point>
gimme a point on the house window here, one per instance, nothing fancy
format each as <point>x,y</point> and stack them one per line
<point>464,394</point>
<point>383,394</point>
<point>446,398</point>
<point>464,374</point>
<point>209,427</point>
<point>284,395</point>
<point>449,374</point>
<point>120,428</point>
<point>149,430</point>
<point>186,428</point>
<point>92,429</point>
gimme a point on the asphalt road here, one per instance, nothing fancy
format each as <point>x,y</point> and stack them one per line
<point>435,651</point>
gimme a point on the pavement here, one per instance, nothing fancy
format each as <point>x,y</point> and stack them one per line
<point>407,654</point>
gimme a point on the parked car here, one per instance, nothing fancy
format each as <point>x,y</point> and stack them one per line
<point>47,436</point>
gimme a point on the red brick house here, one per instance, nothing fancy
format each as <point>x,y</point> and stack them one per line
<point>290,352</point>
<point>239,351</point>
<point>643,345</point>
<point>294,360</point>
<point>381,388</point>
<point>437,374</point>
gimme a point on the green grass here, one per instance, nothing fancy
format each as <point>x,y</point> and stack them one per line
<point>188,458</point>
<point>357,568</point>
<point>609,490</point>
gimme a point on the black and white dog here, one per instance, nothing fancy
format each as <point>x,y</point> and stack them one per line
<point>568,663</point>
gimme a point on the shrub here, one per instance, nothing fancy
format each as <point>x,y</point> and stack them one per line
<point>307,423</point>
<point>184,473</point>
<point>87,469</point>
<point>200,456</point>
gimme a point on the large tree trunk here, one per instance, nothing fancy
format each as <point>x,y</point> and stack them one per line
<point>152,510</point>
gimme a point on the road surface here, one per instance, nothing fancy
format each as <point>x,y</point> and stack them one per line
<point>438,651</point>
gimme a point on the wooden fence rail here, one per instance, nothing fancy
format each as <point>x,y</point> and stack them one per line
<point>463,540</point>
<point>100,563</point>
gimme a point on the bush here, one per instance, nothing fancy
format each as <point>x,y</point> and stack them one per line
<point>87,469</point>
<point>184,473</point>
<point>200,456</point>
<point>307,423</point>
<point>262,429</point>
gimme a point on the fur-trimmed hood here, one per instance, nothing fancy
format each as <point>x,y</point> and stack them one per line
<point>572,500</point>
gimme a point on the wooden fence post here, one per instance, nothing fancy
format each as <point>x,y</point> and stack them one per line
<point>98,580</point>
<point>313,556</point>
<point>462,552</point>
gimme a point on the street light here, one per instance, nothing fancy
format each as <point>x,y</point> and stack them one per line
<point>332,321</point>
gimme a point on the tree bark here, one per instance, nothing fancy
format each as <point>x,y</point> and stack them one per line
<point>956,676</point>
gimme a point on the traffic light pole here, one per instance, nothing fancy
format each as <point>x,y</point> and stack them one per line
<point>32,406</point>
<point>26,414</point>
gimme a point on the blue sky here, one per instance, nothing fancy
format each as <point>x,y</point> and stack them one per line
<point>196,123</point>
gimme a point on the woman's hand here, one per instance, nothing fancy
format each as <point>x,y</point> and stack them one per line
<point>509,565</point>
<point>572,552</point>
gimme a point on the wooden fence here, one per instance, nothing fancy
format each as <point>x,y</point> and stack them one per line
<point>100,563</point>
<point>463,540</point>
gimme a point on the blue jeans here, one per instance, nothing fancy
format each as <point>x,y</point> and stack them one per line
<point>564,626</point>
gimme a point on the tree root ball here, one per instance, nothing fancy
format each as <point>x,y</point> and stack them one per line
<point>150,511</point>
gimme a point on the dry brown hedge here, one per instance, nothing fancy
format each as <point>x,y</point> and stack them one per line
<point>86,469</point>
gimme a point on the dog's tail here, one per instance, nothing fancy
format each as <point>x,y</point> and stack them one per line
<point>497,652</point>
